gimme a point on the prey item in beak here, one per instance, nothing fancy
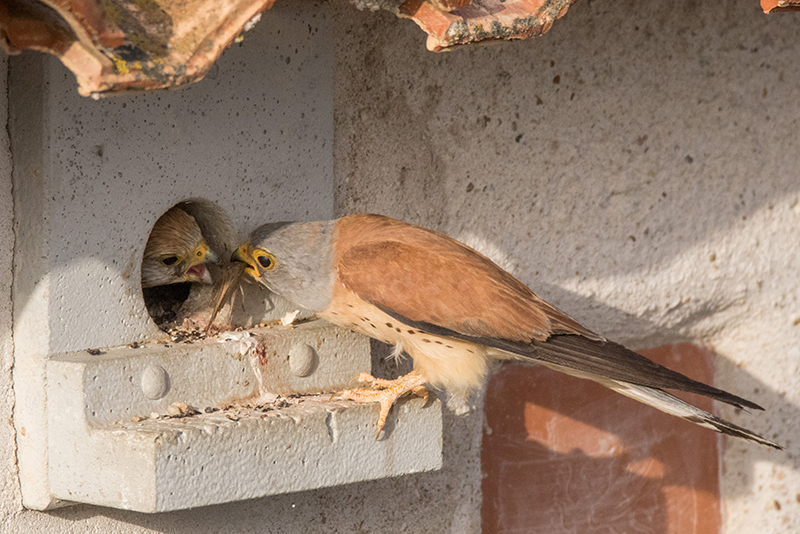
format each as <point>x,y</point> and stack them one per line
<point>242,254</point>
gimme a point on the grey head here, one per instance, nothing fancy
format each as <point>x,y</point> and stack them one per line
<point>294,260</point>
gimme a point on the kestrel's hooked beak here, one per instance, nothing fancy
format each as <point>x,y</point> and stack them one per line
<point>242,254</point>
<point>197,271</point>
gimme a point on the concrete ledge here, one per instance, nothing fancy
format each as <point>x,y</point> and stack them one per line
<point>114,387</point>
<point>172,464</point>
<point>107,449</point>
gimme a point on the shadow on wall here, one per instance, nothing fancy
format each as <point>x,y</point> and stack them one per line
<point>562,454</point>
<point>567,455</point>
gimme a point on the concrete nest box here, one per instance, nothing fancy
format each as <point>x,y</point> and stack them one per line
<point>110,409</point>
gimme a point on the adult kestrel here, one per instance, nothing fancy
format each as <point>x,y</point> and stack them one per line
<point>452,310</point>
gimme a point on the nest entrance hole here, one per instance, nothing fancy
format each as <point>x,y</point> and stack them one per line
<point>175,242</point>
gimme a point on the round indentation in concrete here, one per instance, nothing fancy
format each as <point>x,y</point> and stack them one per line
<point>155,382</point>
<point>303,360</point>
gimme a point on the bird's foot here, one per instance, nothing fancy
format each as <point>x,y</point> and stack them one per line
<point>386,392</point>
<point>377,383</point>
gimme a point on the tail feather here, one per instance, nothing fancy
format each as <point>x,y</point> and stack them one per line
<point>612,360</point>
<point>634,376</point>
<point>613,366</point>
<point>675,406</point>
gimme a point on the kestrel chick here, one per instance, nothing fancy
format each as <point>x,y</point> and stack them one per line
<point>176,252</point>
<point>452,310</point>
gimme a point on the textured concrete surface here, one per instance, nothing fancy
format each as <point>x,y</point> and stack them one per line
<point>166,464</point>
<point>105,447</point>
<point>9,483</point>
<point>635,166</point>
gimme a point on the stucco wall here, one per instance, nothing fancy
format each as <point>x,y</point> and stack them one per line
<point>9,484</point>
<point>636,166</point>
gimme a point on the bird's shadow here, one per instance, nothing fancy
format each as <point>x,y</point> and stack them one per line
<point>569,455</point>
<point>779,415</point>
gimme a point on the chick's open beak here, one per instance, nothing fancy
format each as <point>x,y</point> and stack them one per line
<point>197,271</point>
<point>242,254</point>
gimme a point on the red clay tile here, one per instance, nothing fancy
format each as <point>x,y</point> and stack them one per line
<point>119,46</point>
<point>449,5</point>
<point>484,20</point>
<point>564,455</point>
<point>777,6</point>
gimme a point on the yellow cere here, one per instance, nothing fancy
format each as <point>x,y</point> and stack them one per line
<point>200,253</point>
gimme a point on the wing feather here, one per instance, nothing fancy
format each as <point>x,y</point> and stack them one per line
<point>431,278</point>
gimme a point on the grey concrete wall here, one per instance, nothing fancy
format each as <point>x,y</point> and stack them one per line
<point>9,483</point>
<point>637,166</point>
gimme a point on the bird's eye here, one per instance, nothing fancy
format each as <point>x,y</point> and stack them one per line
<point>170,260</point>
<point>264,259</point>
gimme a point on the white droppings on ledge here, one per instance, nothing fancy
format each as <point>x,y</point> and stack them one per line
<point>289,318</point>
<point>246,342</point>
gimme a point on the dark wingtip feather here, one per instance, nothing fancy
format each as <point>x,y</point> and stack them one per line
<point>725,427</point>
<point>609,360</point>
<point>606,358</point>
